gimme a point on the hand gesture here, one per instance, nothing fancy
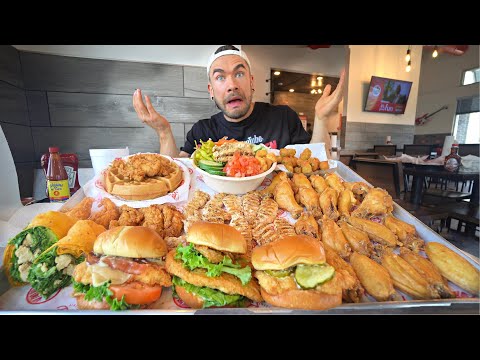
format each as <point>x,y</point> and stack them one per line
<point>148,114</point>
<point>328,103</point>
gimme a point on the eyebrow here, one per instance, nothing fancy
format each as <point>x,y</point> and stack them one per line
<point>234,69</point>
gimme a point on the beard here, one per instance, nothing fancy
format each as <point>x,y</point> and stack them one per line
<point>237,113</point>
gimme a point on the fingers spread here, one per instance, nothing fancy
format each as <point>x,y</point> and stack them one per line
<point>326,91</point>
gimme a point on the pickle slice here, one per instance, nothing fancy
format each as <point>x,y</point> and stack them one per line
<point>310,276</point>
<point>279,273</point>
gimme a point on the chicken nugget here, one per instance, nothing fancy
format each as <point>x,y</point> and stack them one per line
<point>324,165</point>
<point>315,163</point>
<point>305,155</point>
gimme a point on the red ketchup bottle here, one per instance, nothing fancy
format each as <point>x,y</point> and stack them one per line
<point>57,178</point>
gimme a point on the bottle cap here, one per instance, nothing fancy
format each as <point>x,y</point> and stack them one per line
<point>53,149</point>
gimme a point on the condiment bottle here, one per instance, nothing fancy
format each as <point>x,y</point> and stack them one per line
<point>57,178</point>
<point>453,160</point>
<point>70,163</point>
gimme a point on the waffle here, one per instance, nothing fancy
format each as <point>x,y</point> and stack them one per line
<point>150,188</point>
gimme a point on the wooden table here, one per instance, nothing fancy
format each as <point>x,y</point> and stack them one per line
<point>437,171</point>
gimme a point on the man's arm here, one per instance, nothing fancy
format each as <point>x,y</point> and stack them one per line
<point>323,108</point>
<point>148,115</point>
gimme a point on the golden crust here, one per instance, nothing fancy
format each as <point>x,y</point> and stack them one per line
<point>226,283</point>
<point>220,237</point>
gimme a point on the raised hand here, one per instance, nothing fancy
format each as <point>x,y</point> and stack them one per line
<point>148,115</point>
<point>329,102</point>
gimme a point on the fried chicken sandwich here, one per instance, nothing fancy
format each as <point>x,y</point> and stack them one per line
<point>293,273</point>
<point>124,271</point>
<point>210,271</point>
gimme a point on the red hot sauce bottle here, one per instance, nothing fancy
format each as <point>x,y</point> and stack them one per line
<point>453,160</point>
<point>57,178</point>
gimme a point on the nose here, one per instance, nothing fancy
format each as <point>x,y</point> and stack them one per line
<point>232,84</point>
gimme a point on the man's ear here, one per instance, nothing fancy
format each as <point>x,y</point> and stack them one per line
<point>210,90</point>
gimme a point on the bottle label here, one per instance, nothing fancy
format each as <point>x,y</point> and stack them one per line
<point>71,176</point>
<point>58,191</point>
<point>452,164</point>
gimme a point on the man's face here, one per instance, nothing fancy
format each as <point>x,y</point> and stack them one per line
<point>231,85</point>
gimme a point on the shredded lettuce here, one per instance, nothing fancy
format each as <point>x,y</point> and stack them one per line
<point>192,259</point>
<point>98,293</point>
<point>210,296</point>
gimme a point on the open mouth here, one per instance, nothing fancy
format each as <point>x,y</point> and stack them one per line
<point>235,101</point>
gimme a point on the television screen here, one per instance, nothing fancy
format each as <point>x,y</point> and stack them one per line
<point>387,95</point>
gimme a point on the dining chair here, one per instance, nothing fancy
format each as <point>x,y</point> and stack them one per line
<point>417,150</point>
<point>388,150</point>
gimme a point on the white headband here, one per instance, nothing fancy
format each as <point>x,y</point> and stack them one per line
<point>214,56</point>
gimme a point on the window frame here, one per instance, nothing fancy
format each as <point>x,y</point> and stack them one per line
<point>463,77</point>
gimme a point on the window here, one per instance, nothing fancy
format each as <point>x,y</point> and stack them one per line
<point>466,128</point>
<point>471,76</point>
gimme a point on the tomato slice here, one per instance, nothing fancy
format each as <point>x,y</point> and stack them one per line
<point>136,293</point>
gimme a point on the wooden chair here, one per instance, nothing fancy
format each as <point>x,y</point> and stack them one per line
<point>388,150</point>
<point>417,150</point>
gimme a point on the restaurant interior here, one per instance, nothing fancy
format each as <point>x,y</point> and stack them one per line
<point>78,97</point>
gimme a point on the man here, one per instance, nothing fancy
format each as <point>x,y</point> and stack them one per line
<point>231,87</point>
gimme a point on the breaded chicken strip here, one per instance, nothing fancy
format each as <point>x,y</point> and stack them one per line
<point>82,210</point>
<point>226,283</point>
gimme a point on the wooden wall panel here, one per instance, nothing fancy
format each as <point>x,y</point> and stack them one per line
<point>19,140</point>
<point>195,82</point>
<point>13,105</point>
<point>71,74</point>
<point>10,68</point>
<point>38,108</point>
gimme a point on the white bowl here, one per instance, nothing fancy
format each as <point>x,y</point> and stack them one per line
<point>233,185</point>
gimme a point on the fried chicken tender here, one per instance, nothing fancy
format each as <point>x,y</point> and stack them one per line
<point>318,183</point>
<point>328,203</point>
<point>174,241</point>
<point>139,166</point>
<point>172,221</point>
<point>226,283</point>
<point>83,274</point>
<point>107,211</point>
<point>307,225</point>
<point>333,236</point>
<point>285,199</point>
<point>251,204</point>
<point>406,233</point>
<point>377,202</point>
<point>352,288</point>
<point>214,256</point>
<point>268,210</point>
<point>357,239</point>
<point>154,218</point>
<point>82,210</point>
<point>128,217</point>
<point>374,278</point>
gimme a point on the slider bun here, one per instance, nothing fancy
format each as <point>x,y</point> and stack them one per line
<point>303,299</point>
<point>217,236</point>
<point>288,251</point>
<point>131,242</point>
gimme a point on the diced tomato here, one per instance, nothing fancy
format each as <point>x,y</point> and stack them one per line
<point>242,166</point>
<point>136,293</point>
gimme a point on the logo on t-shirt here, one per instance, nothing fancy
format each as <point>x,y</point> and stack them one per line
<point>254,139</point>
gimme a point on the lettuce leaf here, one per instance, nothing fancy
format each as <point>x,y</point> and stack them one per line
<point>98,293</point>
<point>210,296</point>
<point>42,238</point>
<point>192,259</point>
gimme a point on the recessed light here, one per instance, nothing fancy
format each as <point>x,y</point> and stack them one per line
<point>276,73</point>
<point>319,77</point>
<point>291,90</point>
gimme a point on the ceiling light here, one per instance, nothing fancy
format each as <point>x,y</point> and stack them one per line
<point>291,90</point>
<point>409,67</point>
<point>408,57</point>
<point>319,91</point>
<point>319,77</point>
<point>276,73</point>
<point>435,52</point>
<point>313,91</point>
<point>313,83</point>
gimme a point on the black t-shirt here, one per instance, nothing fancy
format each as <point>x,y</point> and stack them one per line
<point>275,126</point>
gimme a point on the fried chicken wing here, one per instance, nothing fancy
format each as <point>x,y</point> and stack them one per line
<point>346,201</point>
<point>359,189</point>
<point>153,218</point>
<point>128,217</point>
<point>376,203</point>
<point>333,236</point>
<point>172,221</point>
<point>375,231</point>
<point>280,176</point>
<point>406,233</point>
<point>328,203</point>
<point>318,183</point>
<point>335,182</point>
<point>82,210</point>
<point>352,288</point>
<point>428,271</point>
<point>406,278</point>
<point>374,278</point>
<point>357,239</point>
<point>107,211</point>
<point>307,225</point>
<point>306,194</point>
<point>285,199</point>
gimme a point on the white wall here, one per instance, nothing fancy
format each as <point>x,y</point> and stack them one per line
<point>440,81</point>
<point>384,61</point>
<point>193,55</point>
<point>263,58</point>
